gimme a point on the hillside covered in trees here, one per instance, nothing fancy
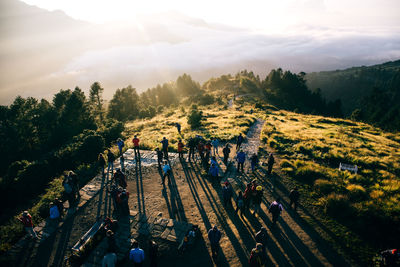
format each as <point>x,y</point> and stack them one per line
<point>370,94</point>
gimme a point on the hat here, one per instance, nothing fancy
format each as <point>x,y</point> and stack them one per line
<point>259,246</point>
<point>25,213</point>
<point>259,188</point>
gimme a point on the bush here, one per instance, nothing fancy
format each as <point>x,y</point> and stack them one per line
<point>307,174</point>
<point>338,206</point>
<point>324,186</point>
<point>356,192</point>
<point>286,164</point>
<point>194,119</point>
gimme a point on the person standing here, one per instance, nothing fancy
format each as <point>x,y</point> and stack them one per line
<point>159,157</point>
<point>68,190</point>
<point>167,173</point>
<point>239,141</point>
<point>120,145</point>
<point>26,220</point>
<point>262,237</point>
<point>215,144</point>
<point>54,214</point>
<point>164,143</point>
<point>271,161</point>
<point>153,253</point>
<point>102,162</point>
<point>192,145</point>
<point>227,194</point>
<point>60,207</point>
<point>135,142</point>
<point>75,184</point>
<point>180,148</point>
<point>213,172</point>
<point>110,160</point>
<point>254,162</point>
<point>226,151</point>
<point>294,198</point>
<point>240,203</point>
<point>178,127</point>
<point>247,197</point>
<point>275,209</point>
<point>214,236</point>
<point>136,255</point>
<point>240,157</point>
<point>110,259</point>
<point>258,200</point>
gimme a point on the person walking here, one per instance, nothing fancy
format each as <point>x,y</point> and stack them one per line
<point>68,190</point>
<point>136,255</point>
<point>120,145</point>
<point>180,148</point>
<point>227,193</point>
<point>262,237</point>
<point>258,200</point>
<point>239,141</point>
<point>240,157</point>
<point>214,236</point>
<point>271,161</point>
<point>213,172</point>
<point>215,144</point>
<point>54,214</point>
<point>275,209</point>
<point>135,142</point>
<point>110,160</point>
<point>153,253</point>
<point>75,184</point>
<point>294,198</point>
<point>167,173</point>
<point>247,197</point>
<point>257,256</point>
<point>164,143</point>
<point>254,162</point>
<point>26,220</point>
<point>60,207</point>
<point>226,151</point>
<point>240,203</point>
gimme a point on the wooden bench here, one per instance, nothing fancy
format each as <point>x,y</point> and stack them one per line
<point>348,167</point>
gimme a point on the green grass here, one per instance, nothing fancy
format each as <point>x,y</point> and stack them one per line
<point>313,147</point>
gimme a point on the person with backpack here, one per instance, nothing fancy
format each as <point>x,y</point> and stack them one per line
<point>120,179</point>
<point>135,142</point>
<point>215,144</point>
<point>214,236</point>
<point>180,148</point>
<point>226,151</point>
<point>239,203</point>
<point>167,173</point>
<point>271,161</point>
<point>120,145</point>
<point>254,162</point>
<point>122,199</point>
<point>258,199</point>
<point>257,256</point>
<point>240,157</point>
<point>294,198</point>
<point>227,193</point>
<point>275,209</point>
<point>60,206</point>
<point>247,197</point>
<point>26,220</point>
<point>102,162</point>
<point>164,143</point>
<point>239,141</point>
<point>110,160</point>
<point>54,214</point>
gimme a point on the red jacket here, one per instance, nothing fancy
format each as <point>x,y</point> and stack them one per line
<point>27,221</point>
<point>135,142</point>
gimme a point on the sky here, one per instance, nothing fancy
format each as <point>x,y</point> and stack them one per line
<point>143,43</point>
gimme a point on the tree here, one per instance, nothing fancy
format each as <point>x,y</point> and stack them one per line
<point>96,99</point>
<point>124,104</point>
<point>185,86</point>
<point>194,118</point>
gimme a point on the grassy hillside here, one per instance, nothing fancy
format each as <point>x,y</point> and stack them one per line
<point>361,209</point>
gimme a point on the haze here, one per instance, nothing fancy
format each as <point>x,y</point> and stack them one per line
<point>51,45</point>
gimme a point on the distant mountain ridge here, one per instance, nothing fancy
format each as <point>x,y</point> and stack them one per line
<point>368,93</point>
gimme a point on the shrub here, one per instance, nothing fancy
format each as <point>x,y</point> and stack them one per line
<point>338,205</point>
<point>356,192</point>
<point>308,174</point>
<point>194,119</point>
<point>324,186</point>
<point>286,164</point>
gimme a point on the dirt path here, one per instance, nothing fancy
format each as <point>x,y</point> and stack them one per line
<point>193,198</point>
